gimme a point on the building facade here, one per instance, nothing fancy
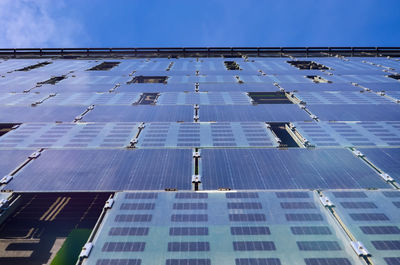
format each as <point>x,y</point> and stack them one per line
<point>200,156</point>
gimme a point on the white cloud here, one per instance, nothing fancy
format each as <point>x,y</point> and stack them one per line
<point>37,24</point>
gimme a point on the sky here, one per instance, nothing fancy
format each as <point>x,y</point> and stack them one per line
<point>205,23</point>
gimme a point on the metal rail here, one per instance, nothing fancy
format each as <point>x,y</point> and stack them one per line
<point>200,52</point>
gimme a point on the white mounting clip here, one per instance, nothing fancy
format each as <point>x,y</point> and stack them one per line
<point>141,125</point>
<point>6,179</point>
<point>325,201</point>
<point>386,177</point>
<point>196,106</point>
<point>196,178</point>
<point>34,155</point>
<point>314,116</point>
<point>91,107</point>
<point>196,154</point>
<point>86,251</point>
<point>78,118</point>
<point>134,141</point>
<point>359,248</point>
<point>357,153</point>
<point>109,203</point>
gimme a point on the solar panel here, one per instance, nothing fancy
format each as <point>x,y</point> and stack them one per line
<point>304,169</point>
<point>20,114</point>
<point>79,170</point>
<point>265,112</point>
<point>139,113</point>
<point>386,159</point>
<point>11,159</point>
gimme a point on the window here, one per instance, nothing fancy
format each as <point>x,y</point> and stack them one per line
<point>190,206</point>
<point>188,231</point>
<point>123,247</point>
<point>148,79</point>
<point>253,245</point>
<point>327,261</point>
<point>188,246</point>
<point>380,230</point>
<point>128,231</point>
<point>137,206</point>
<point>119,262</point>
<point>188,262</point>
<point>292,194</point>
<point>231,65</point>
<point>307,65</point>
<point>244,205</point>
<point>241,195</point>
<point>318,245</point>
<point>358,205</point>
<point>250,230</point>
<point>189,218</point>
<point>258,261</point>
<point>7,127</point>
<point>318,79</point>
<point>104,66</point>
<point>31,67</point>
<point>52,81</point>
<point>269,98</point>
<point>140,196</point>
<point>133,218</point>
<point>369,217</point>
<point>301,217</point>
<point>386,245</point>
<point>310,230</point>
<point>254,217</point>
<point>298,205</point>
<point>147,99</point>
<point>191,195</point>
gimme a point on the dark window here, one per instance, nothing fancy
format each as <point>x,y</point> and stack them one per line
<point>318,245</point>
<point>188,262</point>
<point>148,79</point>
<point>349,194</point>
<point>280,129</point>
<point>269,98</point>
<point>397,204</point>
<point>395,76</point>
<point>258,261</point>
<point>310,230</point>
<point>244,205</point>
<point>188,231</point>
<point>241,195</point>
<point>123,246</point>
<point>253,245</point>
<point>189,218</point>
<point>119,262</point>
<point>104,66</point>
<point>327,261</point>
<point>380,230</point>
<point>292,194</point>
<point>386,245</point>
<point>391,194</point>
<point>232,65</point>
<point>392,261</point>
<point>190,206</point>
<point>188,246</point>
<point>53,80</point>
<point>298,205</point>
<point>301,217</point>
<point>128,231</point>
<point>137,206</point>
<point>250,230</point>
<point>369,217</point>
<point>139,196</point>
<point>133,218</point>
<point>358,205</point>
<point>31,67</point>
<point>318,79</point>
<point>191,195</point>
<point>251,217</point>
<point>147,99</point>
<point>7,127</point>
<point>308,65</point>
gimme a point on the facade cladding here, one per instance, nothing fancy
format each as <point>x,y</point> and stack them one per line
<point>201,156</point>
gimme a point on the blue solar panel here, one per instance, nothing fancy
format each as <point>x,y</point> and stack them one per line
<point>11,159</point>
<point>341,97</point>
<point>273,113</point>
<point>308,169</point>
<point>353,112</point>
<point>14,114</point>
<point>387,159</point>
<point>78,170</point>
<point>141,113</point>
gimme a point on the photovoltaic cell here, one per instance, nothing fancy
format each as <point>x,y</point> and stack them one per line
<point>304,169</point>
<point>77,170</point>
<point>387,159</point>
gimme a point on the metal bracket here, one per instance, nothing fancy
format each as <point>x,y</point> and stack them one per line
<point>141,125</point>
<point>34,155</point>
<point>196,154</point>
<point>326,201</point>
<point>357,153</point>
<point>196,178</point>
<point>109,203</point>
<point>386,177</point>
<point>359,248</point>
<point>86,251</point>
<point>6,179</point>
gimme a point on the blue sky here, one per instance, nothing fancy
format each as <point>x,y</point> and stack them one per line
<point>119,23</point>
